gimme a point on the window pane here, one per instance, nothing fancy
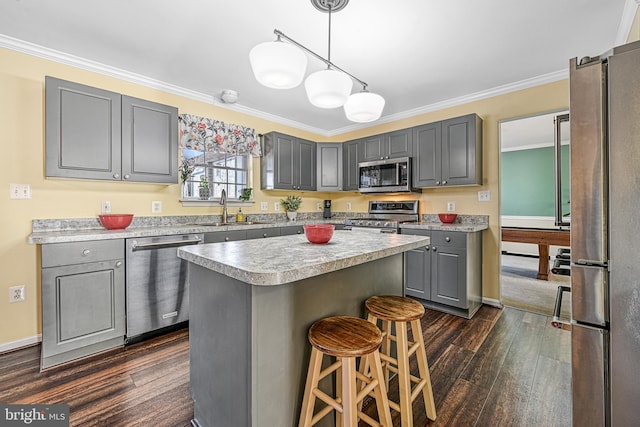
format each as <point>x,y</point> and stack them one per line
<point>221,170</point>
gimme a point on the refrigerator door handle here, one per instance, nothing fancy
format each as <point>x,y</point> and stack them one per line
<point>591,263</point>
<point>557,321</point>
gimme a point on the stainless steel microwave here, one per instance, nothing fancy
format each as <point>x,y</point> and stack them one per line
<point>385,176</point>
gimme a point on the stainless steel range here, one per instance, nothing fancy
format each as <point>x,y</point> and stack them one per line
<point>385,217</point>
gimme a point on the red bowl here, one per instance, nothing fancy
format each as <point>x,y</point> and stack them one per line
<point>115,221</point>
<point>319,233</point>
<point>447,218</point>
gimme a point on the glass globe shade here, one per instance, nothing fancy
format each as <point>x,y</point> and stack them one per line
<point>328,88</point>
<point>278,65</point>
<point>364,107</point>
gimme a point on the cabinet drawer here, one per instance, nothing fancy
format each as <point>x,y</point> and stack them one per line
<point>262,233</point>
<point>456,239</point>
<point>57,254</point>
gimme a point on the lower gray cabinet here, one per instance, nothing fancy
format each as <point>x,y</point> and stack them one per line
<point>225,236</point>
<point>261,233</point>
<point>83,299</point>
<point>447,273</point>
<point>295,229</point>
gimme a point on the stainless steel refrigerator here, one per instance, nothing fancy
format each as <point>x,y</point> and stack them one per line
<point>605,237</point>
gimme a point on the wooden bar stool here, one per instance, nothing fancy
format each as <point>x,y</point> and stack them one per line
<point>399,311</point>
<point>345,338</point>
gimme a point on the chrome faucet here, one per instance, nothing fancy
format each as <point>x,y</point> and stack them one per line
<point>223,202</point>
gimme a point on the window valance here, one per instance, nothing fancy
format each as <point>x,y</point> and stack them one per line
<point>204,134</point>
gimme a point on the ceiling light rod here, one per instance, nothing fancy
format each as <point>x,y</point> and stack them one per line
<point>280,34</point>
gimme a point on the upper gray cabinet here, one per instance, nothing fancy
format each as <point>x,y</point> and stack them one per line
<point>350,158</point>
<point>329,167</point>
<point>97,134</point>
<point>387,145</point>
<point>448,152</point>
<point>288,163</point>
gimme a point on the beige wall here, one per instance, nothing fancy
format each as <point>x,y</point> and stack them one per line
<point>22,139</point>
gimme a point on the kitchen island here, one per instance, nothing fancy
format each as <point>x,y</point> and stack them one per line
<point>251,305</point>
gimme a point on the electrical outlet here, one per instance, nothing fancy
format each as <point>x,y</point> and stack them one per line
<point>156,206</point>
<point>20,191</point>
<point>484,196</point>
<point>276,206</point>
<point>318,206</point>
<point>17,293</point>
<point>451,206</point>
<point>106,207</point>
<point>348,206</point>
<point>264,206</point>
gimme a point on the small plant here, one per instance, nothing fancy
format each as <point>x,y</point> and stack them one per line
<point>291,203</point>
<point>204,182</point>
<point>246,193</point>
<point>185,169</point>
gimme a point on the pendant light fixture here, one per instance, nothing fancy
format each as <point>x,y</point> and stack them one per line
<point>275,65</point>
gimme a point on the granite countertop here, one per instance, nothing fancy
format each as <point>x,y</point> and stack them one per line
<point>287,259</point>
<point>83,234</point>
<point>48,231</point>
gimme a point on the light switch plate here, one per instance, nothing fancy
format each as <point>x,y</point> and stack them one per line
<point>20,191</point>
<point>264,206</point>
<point>276,206</point>
<point>156,207</point>
<point>451,206</point>
<point>484,196</point>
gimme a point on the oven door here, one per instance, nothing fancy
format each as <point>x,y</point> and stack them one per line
<point>370,229</point>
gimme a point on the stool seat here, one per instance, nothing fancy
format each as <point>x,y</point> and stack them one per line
<point>394,308</point>
<point>345,336</point>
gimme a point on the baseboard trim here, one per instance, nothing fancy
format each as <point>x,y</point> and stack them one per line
<point>492,302</point>
<point>25,342</point>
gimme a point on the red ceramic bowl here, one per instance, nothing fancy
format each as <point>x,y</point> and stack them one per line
<point>447,218</point>
<point>319,233</point>
<point>115,221</point>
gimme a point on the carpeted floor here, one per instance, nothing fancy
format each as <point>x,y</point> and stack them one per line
<point>521,289</point>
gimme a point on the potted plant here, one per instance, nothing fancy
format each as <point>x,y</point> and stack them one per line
<point>291,204</point>
<point>203,188</point>
<point>246,193</point>
<point>185,169</point>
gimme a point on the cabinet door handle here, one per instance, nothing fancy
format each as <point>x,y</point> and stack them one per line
<point>437,182</point>
<point>126,176</point>
<point>86,252</point>
<point>264,235</point>
<point>116,176</point>
<point>118,264</point>
<point>448,239</point>
<point>428,248</point>
<point>226,239</point>
<point>434,249</point>
<point>298,232</point>
<point>444,182</point>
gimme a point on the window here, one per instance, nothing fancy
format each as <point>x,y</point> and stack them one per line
<point>213,172</point>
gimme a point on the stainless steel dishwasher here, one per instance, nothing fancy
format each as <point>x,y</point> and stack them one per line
<point>157,288</point>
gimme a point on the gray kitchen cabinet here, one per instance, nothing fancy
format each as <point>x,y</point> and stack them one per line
<point>261,233</point>
<point>288,163</point>
<point>295,229</point>
<point>83,299</point>
<point>388,145</point>
<point>446,274</point>
<point>350,159</point>
<point>225,236</point>
<point>97,134</point>
<point>329,167</point>
<point>448,153</point>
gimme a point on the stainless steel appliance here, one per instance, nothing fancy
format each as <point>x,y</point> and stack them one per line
<point>605,238</point>
<point>157,291</point>
<point>326,213</point>
<point>385,176</point>
<point>385,217</point>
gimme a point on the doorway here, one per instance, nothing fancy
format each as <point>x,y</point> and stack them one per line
<point>534,198</point>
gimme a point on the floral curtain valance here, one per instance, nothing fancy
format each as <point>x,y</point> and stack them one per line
<point>204,134</point>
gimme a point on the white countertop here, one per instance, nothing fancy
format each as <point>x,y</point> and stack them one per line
<point>287,259</point>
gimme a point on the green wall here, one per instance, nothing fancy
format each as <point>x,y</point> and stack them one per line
<point>528,182</point>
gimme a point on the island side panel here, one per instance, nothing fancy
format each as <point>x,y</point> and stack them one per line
<point>220,349</point>
<point>281,319</point>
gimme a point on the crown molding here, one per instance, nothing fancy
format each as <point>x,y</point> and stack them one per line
<point>626,22</point>
<point>97,67</point>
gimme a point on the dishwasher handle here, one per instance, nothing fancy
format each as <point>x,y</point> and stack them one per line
<point>159,245</point>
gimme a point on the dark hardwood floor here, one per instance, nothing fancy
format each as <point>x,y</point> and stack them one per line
<point>503,367</point>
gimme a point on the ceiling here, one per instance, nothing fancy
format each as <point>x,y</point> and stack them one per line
<point>420,55</point>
